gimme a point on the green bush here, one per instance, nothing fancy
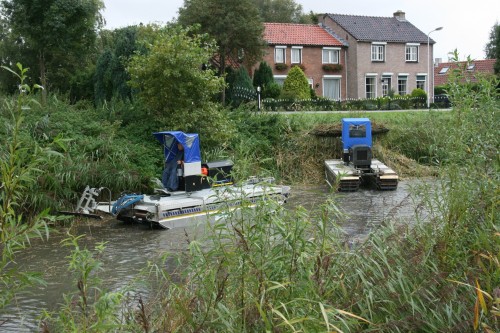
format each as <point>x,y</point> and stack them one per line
<point>419,93</point>
<point>296,85</point>
<point>271,90</point>
<point>240,88</point>
<point>443,89</point>
<point>263,76</point>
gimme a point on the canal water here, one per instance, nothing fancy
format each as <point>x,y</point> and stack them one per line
<point>130,247</point>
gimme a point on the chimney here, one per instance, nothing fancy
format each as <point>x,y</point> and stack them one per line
<point>437,62</point>
<point>400,16</point>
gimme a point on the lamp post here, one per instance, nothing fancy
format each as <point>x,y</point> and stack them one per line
<point>429,69</point>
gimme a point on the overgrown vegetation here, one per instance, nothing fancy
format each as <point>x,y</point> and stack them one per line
<point>21,162</point>
<point>267,269</point>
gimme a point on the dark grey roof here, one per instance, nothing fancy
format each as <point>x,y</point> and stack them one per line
<point>380,29</point>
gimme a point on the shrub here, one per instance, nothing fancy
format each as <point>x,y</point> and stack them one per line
<point>301,66</point>
<point>420,93</point>
<point>263,76</point>
<point>438,90</point>
<point>272,90</point>
<point>296,85</point>
<point>240,87</point>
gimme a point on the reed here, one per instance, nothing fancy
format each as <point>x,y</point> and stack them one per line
<point>21,162</point>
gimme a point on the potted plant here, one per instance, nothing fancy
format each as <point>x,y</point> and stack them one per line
<point>280,66</point>
<point>332,67</point>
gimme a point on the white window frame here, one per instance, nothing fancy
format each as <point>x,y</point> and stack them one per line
<point>282,51</point>
<point>444,70</point>
<point>403,77</point>
<point>332,77</point>
<point>412,51</point>
<point>378,51</point>
<point>279,79</point>
<point>296,51</point>
<point>373,77</point>
<point>424,80</point>
<point>330,55</point>
<point>386,83</point>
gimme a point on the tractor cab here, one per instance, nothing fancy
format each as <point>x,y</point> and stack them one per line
<point>357,142</point>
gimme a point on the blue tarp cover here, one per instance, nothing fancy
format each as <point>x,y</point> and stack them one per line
<point>349,124</point>
<point>190,142</point>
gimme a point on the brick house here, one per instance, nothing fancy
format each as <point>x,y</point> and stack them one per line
<point>384,54</point>
<point>312,47</point>
<point>472,69</point>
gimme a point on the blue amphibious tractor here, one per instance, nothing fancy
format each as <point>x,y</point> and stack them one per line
<point>357,164</point>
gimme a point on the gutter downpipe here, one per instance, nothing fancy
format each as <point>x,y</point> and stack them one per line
<point>345,71</point>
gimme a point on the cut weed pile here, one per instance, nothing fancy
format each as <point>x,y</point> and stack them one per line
<point>404,166</point>
<point>335,130</point>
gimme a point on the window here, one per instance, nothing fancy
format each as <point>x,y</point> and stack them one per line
<point>331,87</point>
<point>279,79</point>
<point>471,67</point>
<point>370,86</point>
<point>444,70</point>
<point>311,82</point>
<point>386,85</point>
<point>357,131</point>
<point>330,56</point>
<point>402,85</point>
<point>421,82</point>
<point>411,53</point>
<point>280,54</point>
<point>296,55</point>
<point>378,51</point>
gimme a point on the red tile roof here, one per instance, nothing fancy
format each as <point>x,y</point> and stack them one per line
<point>480,66</point>
<point>298,34</point>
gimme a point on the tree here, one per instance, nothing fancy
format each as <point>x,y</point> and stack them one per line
<point>240,87</point>
<point>57,35</point>
<point>280,11</point>
<point>264,78</point>
<point>235,26</point>
<point>263,75</point>
<point>171,83</point>
<point>492,49</point>
<point>111,77</point>
<point>296,85</point>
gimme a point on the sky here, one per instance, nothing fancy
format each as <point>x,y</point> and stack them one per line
<point>466,24</point>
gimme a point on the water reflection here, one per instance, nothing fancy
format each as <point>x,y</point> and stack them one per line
<point>130,247</point>
<point>363,210</point>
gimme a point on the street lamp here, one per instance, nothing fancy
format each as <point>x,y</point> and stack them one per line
<point>429,69</point>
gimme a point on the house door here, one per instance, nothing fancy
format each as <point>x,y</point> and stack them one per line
<point>331,88</point>
<point>386,86</point>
